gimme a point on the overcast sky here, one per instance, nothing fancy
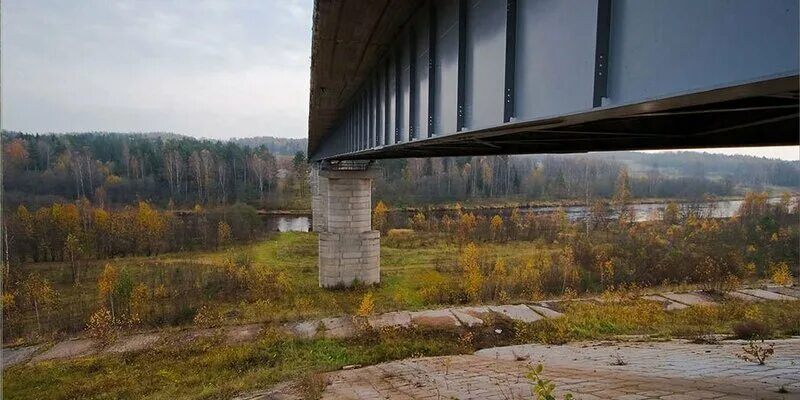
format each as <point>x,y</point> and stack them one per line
<point>205,68</point>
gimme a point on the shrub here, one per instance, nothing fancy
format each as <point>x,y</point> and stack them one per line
<point>101,326</point>
<point>756,353</point>
<point>549,331</point>
<point>367,305</point>
<point>437,289</point>
<point>473,280</point>
<point>781,275</point>
<point>752,329</point>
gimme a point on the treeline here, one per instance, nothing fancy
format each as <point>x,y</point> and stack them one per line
<point>580,177</point>
<point>112,169</point>
<point>75,232</point>
<point>166,170</point>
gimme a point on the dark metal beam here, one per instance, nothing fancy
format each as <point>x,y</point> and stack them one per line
<point>462,62</point>
<point>431,66</point>
<point>398,71</point>
<point>412,83</point>
<point>601,52</point>
<point>386,109</point>
<point>511,47</point>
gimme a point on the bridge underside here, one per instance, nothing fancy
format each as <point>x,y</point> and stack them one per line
<point>766,116</point>
<point>423,78</point>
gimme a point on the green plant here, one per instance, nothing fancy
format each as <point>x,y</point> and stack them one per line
<point>543,388</point>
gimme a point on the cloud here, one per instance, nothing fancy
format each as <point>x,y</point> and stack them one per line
<point>204,68</point>
<point>210,68</point>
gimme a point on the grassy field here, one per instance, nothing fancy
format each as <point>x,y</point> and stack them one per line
<point>180,284</point>
<point>211,369</point>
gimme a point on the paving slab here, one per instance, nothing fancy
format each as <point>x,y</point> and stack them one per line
<point>69,349</point>
<point>441,318</point>
<point>744,296</point>
<point>517,312</point>
<point>546,312</point>
<point>396,319</point>
<point>669,305</point>
<point>767,295</point>
<point>244,333</point>
<point>18,355</point>
<point>303,329</point>
<point>793,291</point>
<point>663,370</point>
<point>469,316</point>
<point>339,328</point>
<point>690,299</point>
<point>133,343</point>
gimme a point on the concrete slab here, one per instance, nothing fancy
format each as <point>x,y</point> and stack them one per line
<point>744,296</point>
<point>397,319</point>
<point>303,329</point>
<point>18,355</point>
<point>244,333</point>
<point>441,318</point>
<point>669,305</point>
<point>690,299</point>
<point>339,328</point>
<point>69,349</point>
<point>133,343</point>
<point>517,312</point>
<point>784,290</point>
<point>766,294</point>
<point>466,318</point>
<point>545,312</point>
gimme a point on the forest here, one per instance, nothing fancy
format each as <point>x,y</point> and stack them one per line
<point>112,170</point>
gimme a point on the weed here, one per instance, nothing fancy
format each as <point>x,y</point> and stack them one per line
<point>312,385</point>
<point>543,388</point>
<point>367,305</point>
<point>617,360</point>
<point>756,352</point>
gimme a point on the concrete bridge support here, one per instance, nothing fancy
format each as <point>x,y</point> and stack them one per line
<point>349,250</point>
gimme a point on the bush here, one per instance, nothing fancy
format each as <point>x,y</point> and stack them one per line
<point>101,327</point>
<point>752,329</point>
<point>549,331</point>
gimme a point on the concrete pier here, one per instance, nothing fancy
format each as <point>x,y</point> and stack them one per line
<point>349,250</point>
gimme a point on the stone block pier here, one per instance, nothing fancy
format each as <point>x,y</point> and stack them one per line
<point>349,250</point>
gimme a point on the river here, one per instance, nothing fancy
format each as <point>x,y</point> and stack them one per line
<point>643,212</point>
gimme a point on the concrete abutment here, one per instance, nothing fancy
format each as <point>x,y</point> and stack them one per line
<point>349,250</point>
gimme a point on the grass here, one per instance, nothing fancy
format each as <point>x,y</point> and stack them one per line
<point>208,368</point>
<point>591,321</point>
<point>196,279</point>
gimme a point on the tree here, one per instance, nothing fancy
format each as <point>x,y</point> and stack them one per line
<point>150,227</point>
<point>379,219</point>
<point>105,287</point>
<point>622,197</point>
<point>671,213</point>
<point>224,235</point>
<point>73,250</point>
<point>40,294</point>
<point>496,227</point>
<point>261,170</point>
<point>470,266</point>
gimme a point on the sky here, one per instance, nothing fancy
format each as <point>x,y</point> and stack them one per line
<point>205,68</point>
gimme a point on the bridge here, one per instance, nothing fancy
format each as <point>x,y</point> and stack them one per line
<point>416,78</point>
